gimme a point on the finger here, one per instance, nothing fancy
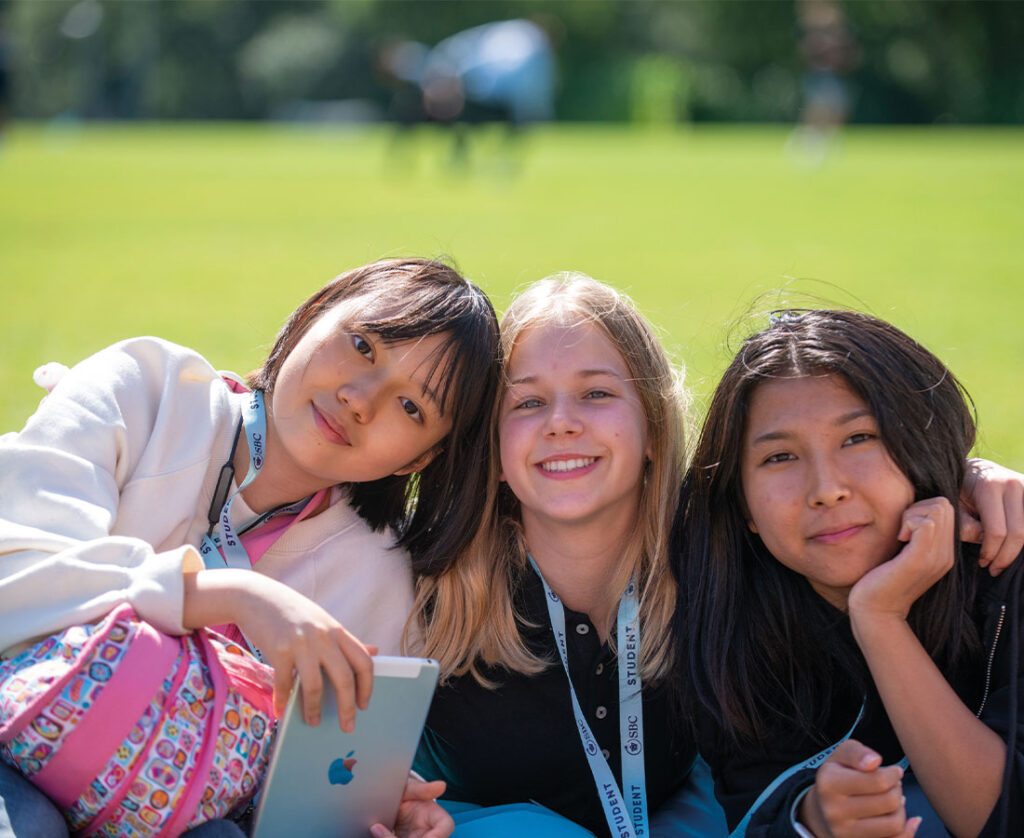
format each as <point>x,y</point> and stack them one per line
<point>1013,539</point>
<point>882,827</point>
<point>371,650</point>
<point>910,828</point>
<point>970,527</point>
<point>837,782</point>
<point>415,790</point>
<point>854,754</point>
<point>284,679</point>
<point>361,665</point>
<point>311,684</point>
<point>871,805</point>
<point>913,521</point>
<point>992,514</point>
<point>339,673</point>
<point>378,830</point>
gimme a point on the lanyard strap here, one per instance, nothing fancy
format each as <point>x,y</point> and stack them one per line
<point>226,550</point>
<point>626,814</point>
<point>811,762</point>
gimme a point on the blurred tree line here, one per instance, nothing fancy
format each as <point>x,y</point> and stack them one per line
<point>917,61</point>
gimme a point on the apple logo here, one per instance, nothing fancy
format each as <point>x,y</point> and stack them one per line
<point>340,773</point>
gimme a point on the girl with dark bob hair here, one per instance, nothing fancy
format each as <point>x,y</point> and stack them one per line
<point>291,510</point>
<point>850,672</point>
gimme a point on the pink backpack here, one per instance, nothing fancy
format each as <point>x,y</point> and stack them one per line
<point>132,732</point>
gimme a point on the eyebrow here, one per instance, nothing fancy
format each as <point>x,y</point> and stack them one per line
<point>593,373</point>
<point>846,418</point>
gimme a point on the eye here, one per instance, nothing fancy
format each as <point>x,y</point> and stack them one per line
<point>527,404</point>
<point>864,436</point>
<point>598,394</point>
<point>781,457</point>
<point>411,409</point>
<point>362,346</point>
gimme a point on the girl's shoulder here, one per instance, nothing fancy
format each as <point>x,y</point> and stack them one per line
<point>135,384</point>
<point>147,356</point>
<point>156,365</point>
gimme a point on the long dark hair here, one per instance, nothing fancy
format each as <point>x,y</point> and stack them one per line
<point>434,513</point>
<point>748,627</point>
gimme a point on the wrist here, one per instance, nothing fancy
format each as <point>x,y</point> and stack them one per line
<point>871,627</point>
<point>806,817</point>
<point>213,597</point>
<point>865,613</point>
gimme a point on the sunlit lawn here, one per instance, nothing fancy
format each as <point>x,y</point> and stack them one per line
<point>210,234</point>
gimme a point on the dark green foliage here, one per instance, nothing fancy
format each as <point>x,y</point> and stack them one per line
<point>922,61</point>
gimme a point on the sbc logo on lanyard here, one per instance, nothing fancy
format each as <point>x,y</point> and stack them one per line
<point>633,744</point>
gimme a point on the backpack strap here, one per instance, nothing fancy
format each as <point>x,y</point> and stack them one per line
<point>119,706</point>
<point>99,820</point>
<point>197,781</point>
<point>28,712</point>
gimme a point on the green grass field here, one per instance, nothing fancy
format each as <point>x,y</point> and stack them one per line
<point>210,234</point>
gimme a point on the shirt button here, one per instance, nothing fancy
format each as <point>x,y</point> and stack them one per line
<point>582,628</point>
<point>600,669</point>
<point>606,753</point>
<point>601,712</point>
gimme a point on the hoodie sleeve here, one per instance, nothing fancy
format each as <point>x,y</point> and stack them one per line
<point>142,410</point>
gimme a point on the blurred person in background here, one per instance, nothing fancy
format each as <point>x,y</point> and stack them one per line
<point>502,72</point>
<point>830,53</point>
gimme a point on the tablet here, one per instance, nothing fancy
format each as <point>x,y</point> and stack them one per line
<point>325,783</point>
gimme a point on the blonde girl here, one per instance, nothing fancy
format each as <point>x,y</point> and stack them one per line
<point>582,483</point>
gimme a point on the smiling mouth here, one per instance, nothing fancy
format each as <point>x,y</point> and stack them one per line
<point>562,466</point>
<point>330,430</point>
<point>835,536</point>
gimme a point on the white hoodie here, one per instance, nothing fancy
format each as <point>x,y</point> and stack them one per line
<point>104,496</point>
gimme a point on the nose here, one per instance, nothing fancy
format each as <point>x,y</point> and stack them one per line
<point>360,395</point>
<point>562,418</point>
<point>827,484</point>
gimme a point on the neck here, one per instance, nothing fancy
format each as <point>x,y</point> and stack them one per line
<point>579,566</point>
<point>276,484</point>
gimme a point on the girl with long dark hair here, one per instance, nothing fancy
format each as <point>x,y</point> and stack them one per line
<point>852,673</point>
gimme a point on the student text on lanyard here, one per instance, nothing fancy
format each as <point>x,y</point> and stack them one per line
<point>626,814</point>
<point>225,549</point>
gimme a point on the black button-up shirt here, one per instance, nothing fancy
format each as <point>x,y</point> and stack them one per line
<point>519,742</point>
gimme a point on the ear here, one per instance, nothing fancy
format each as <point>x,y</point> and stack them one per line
<point>420,463</point>
<point>747,516</point>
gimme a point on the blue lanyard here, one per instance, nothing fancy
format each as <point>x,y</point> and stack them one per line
<point>626,815</point>
<point>810,762</point>
<point>225,549</point>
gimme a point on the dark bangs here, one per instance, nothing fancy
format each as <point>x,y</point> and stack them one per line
<point>460,314</point>
<point>435,513</point>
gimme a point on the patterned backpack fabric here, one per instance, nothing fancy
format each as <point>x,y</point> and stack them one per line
<point>135,733</point>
